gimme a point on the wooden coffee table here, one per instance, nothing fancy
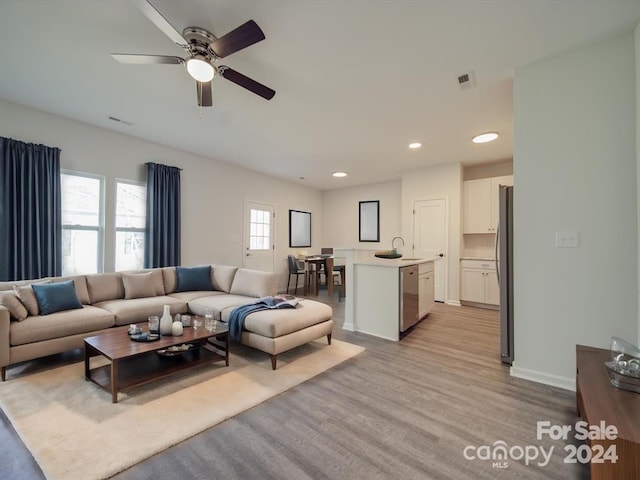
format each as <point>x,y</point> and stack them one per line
<point>137,363</point>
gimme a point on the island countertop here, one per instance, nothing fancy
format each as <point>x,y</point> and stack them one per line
<point>394,262</point>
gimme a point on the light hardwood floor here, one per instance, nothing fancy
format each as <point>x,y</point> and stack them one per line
<point>396,411</point>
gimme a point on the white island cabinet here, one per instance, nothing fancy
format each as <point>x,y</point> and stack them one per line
<point>378,303</point>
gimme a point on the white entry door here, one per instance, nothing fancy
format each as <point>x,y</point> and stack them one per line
<point>430,239</point>
<point>259,230</point>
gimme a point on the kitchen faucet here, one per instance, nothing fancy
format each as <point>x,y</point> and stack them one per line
<point>394,239</point>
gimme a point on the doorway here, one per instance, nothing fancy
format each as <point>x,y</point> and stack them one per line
<point>259,220</point>
<point>430,239</point>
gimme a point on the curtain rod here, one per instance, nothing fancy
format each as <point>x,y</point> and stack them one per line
<point>181,169</point>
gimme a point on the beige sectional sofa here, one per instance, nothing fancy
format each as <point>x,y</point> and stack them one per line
<point>111,300</point>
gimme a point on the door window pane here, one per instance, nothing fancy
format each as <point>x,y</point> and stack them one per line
<point>259,230</point>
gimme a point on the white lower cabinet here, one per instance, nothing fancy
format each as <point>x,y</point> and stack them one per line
<point>479,282</point>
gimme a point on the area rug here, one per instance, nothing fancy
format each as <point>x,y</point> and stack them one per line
<point>74,431</point>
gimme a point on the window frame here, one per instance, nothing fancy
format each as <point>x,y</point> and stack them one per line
<point>115,220</point>
<point>100,229</point>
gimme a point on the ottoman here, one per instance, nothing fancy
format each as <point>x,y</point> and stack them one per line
<point>279,330</point>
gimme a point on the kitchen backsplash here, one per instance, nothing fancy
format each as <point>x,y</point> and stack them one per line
<point>478,245</point>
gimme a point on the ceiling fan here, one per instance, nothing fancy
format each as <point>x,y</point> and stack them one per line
<point>203,52</point>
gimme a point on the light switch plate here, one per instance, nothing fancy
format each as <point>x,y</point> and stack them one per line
<point>567,239</point>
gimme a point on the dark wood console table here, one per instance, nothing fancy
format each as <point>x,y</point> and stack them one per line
<point>597,400</point>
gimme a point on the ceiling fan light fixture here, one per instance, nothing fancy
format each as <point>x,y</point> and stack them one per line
<point>200,69</point>
<point>485,137</point>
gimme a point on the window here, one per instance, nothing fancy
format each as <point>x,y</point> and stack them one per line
<point>260,230</point>
<point>82,223</point>
<point>131,208</point>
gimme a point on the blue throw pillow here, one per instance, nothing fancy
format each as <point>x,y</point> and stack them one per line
<point>55,297</point>
<point>193,278</point>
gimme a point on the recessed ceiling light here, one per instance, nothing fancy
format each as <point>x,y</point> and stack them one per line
<point>485,137</point>
<point>339,174</point>
<point>415,145</point>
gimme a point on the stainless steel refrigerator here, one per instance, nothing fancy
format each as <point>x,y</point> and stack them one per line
<point>504,270</point>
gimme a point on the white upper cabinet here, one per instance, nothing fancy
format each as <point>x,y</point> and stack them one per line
<point>480,210</point>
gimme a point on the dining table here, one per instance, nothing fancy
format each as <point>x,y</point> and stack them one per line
<point>313,266</point>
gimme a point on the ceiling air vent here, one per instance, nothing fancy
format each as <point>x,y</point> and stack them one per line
<point>115,119</point>
<point>466,80</point>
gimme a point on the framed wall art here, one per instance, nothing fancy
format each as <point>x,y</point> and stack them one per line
<point>299,229</point>
<point>369,226</point>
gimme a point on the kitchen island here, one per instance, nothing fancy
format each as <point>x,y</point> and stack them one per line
<point>386,296</point>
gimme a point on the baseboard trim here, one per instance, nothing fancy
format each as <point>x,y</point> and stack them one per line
<point>455,303</point>
<point>487,306</point>
<point>546,378</point>
<point>348,326</point>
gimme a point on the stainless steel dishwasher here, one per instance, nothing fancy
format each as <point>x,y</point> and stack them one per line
<point>408,296</point>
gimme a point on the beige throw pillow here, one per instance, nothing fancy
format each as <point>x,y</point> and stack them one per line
<point>138,285</point>
<point>11,302</point>
<point>28,298</point>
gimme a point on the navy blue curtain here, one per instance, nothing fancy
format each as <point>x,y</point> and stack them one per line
<point>30,211</point>
<point>162,235</point>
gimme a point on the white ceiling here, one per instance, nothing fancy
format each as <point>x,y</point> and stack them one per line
<point>356,81</point>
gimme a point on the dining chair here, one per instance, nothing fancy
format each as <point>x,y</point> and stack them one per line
<point>337,270</point>
<point>294,269</point>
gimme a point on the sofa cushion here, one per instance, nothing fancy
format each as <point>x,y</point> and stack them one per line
<point>9,299</point>
<point>56,297</point>
<point>158,281</point>
<point>254,283</point>
<point>156,278</point>
<point>193,278</point>
<point>138,285</point>
<point>278,322</point>
<point>222,277</point>
<point>80,284</point>
<point>169,278</point>
<point>217,303</point>
<point>105,286</point>
<point>28,298</point>
<point>60,324</point>
<point>188,296</point>
<point>139,309</point>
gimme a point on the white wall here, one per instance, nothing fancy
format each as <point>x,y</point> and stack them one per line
<point>444,181</point>
<point>341,214</point>
<point>213,193</point>
<point>574,169</point>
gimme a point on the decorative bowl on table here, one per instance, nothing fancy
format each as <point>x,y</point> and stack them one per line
<point>387,254</point>
<point>624,368</point>
<point>176,350</point>
<point>144,337</point>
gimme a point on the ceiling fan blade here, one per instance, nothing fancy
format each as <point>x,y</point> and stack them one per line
<point>205,98</point>
<point>246,82</point>
<point>147,59</point>
<point>159,21</point>
<point>243,36</point>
